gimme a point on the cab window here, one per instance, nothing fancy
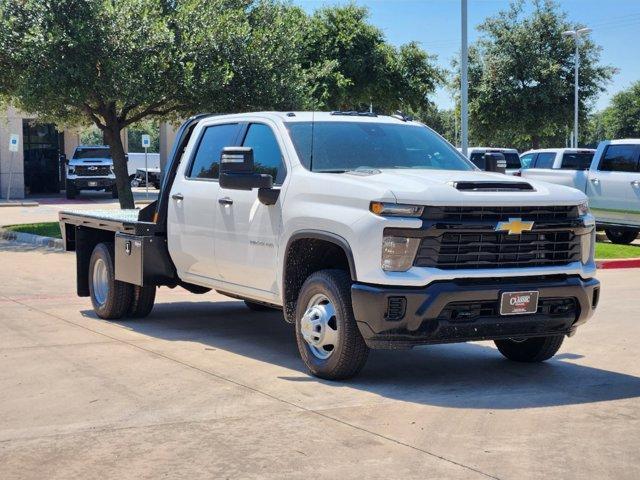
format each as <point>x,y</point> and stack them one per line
<point>527,160</point>
<point>620,158</point>
<point>576,161</point>
<point>267,156</point>
<point>206,161</point>
<point>545,160</point>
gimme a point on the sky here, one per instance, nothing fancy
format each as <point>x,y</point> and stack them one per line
<point>435,24</point>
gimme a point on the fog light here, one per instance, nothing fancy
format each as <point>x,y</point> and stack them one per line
<point>586,247</point>
<point>398,253</point>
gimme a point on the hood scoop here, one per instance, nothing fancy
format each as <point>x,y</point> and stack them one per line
<point>492,186</point>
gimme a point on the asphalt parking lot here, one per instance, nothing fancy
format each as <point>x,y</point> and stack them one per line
<point>205,388</point>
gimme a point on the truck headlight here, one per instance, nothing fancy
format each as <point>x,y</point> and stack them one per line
<point>398,253</point>
<point>395,209</point>
<point>71,170</point>
<point>112,170</point>
<point>583,208</point>
<point>586,246</point>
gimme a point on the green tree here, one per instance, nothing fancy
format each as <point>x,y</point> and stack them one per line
<point>146,127</point>
<point>115,63</point>
<point>621,119</point>
<point>521,77</point>
<point>351,66</point>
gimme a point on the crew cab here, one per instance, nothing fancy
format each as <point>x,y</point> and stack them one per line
<point>90,168</point>
<point>610,177</point>
<point>368,231</point>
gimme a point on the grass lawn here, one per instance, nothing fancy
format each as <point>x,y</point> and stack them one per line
<point>611,250</point>
<point>46,229</point>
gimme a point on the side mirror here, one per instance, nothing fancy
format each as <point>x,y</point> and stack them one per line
<point>236,170</point>
<point>62,158</point>
<point>495,162</point>
<point>126,157</point>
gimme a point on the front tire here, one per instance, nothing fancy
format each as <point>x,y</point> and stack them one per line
<point>328,338</point>
<point>620,235</point>
<point>111,298</point>
<point>530,350</point>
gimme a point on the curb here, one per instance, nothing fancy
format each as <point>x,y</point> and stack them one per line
<point>18,204</point>
<point>21,237</point>
<point>618,263</point>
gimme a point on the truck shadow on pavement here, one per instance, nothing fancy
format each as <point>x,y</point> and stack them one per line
<point>472,375</point>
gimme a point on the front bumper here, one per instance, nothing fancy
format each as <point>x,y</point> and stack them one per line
<point>91,183</point>
<point>468,309</point>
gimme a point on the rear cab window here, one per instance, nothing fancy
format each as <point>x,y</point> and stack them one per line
<point>620,158</point>
<point>576,160</point>
<point>545,160</point>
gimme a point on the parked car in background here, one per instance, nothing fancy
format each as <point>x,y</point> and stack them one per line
<point>141,175</point>
<point>476,155</point>
<point>610,176</point>
<point>90,168</point>
<point>573,162</point>
<point>135,162</point>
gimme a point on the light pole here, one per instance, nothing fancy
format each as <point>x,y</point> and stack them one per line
<point>464,82</point>
<point>576,34</point>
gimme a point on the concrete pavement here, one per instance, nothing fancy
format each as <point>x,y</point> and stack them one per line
<point>205,388</point>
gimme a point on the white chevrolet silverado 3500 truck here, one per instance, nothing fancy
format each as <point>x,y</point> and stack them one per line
<point>367,231</point>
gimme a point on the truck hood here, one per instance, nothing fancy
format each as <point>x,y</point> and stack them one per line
<point>438,187</point>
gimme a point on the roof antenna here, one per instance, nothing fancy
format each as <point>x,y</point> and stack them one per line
<point>313,123</point>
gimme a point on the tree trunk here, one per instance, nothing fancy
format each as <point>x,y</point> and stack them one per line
<point>113,139</point>
<point>535,142</point>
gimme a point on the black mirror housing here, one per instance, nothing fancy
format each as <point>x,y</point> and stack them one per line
<point>62,158</point>
<point>495,162</point>
<point>236,170</point>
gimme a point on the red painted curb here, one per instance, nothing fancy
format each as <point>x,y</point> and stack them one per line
<point>618,263</point>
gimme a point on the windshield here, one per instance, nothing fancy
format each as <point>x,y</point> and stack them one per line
<point>92,153</point>
<point>342,146</point>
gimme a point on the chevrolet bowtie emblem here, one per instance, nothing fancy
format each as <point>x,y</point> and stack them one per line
<point>515,226</point>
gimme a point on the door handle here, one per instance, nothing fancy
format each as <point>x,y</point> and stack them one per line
<point>635,183</point>
<point>177,196</point>
<point>595,180</point>
<point>225,201</point>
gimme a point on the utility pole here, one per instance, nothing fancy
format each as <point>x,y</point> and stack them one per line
<point>576,34</point>
<point>464,81</point>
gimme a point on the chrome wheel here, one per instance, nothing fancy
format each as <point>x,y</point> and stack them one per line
<point>100,280</point>
<point>319,326</point>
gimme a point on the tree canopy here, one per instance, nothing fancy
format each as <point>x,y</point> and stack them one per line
<point>521,77</point>
<point>115,63</point>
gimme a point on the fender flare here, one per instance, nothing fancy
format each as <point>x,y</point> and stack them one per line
<point>327,237</point>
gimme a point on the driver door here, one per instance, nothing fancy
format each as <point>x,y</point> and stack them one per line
<point>247,231</point>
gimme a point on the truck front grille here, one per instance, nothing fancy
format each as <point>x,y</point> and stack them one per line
<point>93,170</point>
<point>536,214</point>
<point>451,251</point>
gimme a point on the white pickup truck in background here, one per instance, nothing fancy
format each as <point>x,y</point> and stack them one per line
<point>611,181</point>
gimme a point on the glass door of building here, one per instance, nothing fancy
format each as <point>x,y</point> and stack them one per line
<point>42,147</point>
